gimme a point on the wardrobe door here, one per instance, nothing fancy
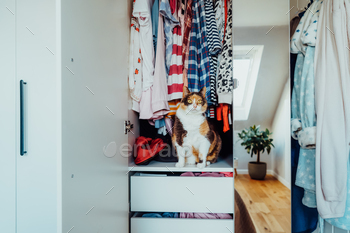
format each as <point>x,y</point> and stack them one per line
<point>94,108</point>
<point>8,117</point>
<point>38,166</point>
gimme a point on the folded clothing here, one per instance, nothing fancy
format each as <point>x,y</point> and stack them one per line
<point>209,174</point>
<point>161,215</point>
<point>206,215</point>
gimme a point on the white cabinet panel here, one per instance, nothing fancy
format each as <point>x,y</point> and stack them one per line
<point>8,88</point>
<point>176,225</point>
<point>182,194</point>
<point>95,46</point>
<point>37,171</point>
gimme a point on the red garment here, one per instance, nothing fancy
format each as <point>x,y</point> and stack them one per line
<point>172,4</point>
<point>222,113</point>
<point>223,38</point>
<point>147,148</point>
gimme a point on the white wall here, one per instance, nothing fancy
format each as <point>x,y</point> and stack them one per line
<point>280,155</point>
<point>273,72</point>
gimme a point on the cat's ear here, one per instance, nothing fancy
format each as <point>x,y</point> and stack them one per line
<point>186,91</point>
<point>203,91</point>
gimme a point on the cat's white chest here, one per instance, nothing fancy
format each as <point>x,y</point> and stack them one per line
<point>192,125</point>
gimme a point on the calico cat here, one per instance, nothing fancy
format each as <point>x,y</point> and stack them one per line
<point>195,140</point>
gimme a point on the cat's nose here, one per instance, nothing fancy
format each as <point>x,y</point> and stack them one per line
<point>195,106</point>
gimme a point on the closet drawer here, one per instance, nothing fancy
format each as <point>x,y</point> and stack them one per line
<point>183,225</point>
<point>181,194</point>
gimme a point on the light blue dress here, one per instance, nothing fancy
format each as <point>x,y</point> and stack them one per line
<point>169,23</point>
<point>303,101</point>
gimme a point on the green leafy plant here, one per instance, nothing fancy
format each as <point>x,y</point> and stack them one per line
<point>256,141</point>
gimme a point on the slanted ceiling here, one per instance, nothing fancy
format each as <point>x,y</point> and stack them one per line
<point>273,72</point>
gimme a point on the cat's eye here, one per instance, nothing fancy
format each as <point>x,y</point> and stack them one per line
<point>199,101</point>
<point>189,101</point>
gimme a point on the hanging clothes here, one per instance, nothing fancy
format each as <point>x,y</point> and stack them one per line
<point>220,17</point>
<point>159,102</point>
<point>135,64</point>
<point>332,86</point>
<point>175,79</point>
<point>186,39</point>
<point>198,60</point>
<point>222,114</point>
<point>214,46</point>
<point>344,222</point>
<point>169,23</point>
<point>155,16</point>
<point>303,102</point>
<point>225,77</point>
<point>142,11</point>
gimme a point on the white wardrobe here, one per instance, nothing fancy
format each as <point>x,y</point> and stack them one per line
<point>75,174</point>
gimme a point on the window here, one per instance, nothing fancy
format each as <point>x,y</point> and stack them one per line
<point>246,67</point>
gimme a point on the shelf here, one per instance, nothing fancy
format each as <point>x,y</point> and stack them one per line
<point>219,166</point>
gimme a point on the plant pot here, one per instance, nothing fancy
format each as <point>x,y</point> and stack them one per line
<point>257,171</point>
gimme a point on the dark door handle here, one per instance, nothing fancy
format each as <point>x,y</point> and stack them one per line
<point>22,119</point>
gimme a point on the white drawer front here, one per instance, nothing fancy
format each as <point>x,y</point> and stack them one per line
<point>182,194</point>
<point>181,225</point>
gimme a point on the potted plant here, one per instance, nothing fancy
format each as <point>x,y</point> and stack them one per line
<point>256,142</point>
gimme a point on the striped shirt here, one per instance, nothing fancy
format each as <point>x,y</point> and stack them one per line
<point>175,81</point>
<point>214,46</point>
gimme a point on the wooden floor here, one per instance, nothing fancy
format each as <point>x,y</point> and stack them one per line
<point>268,202</point>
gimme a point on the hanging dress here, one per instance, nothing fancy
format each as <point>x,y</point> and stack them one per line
<point>303,101</point>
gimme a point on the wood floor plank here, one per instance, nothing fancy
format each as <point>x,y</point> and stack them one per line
<point>268,202</point>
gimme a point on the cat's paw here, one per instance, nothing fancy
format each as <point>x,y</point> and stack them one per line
<point>201,165</point>
<point>179,164</point>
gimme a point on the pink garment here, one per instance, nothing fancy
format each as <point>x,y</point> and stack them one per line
<point>154,101</point>
<point>160,93</point>
<point>206,215</point>
<point>227,174</point>
<point>206,174</point>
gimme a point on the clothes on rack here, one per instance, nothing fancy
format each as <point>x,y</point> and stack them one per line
<point>303,101</point>
<point>175,79</point>
<point>332,108</point>
<point>186,39</point>
<point>344,222</point>
<point>214,46</point>
<point>190,47</point>
<point>142,11</point>
<point>198,60</point>
<point>155,17</point>
<point>135,61</point>
<point>225,76</point>
<point>222,114</point>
